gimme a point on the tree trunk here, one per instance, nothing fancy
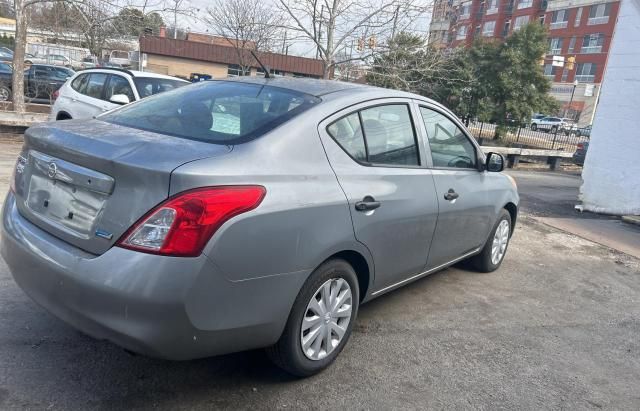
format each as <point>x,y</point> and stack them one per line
<point>17,83</point>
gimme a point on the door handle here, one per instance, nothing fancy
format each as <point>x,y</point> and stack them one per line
<point>451,195</point>
<point>368,203</point>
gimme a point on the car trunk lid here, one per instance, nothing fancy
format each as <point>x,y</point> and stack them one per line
<point>88,182</point>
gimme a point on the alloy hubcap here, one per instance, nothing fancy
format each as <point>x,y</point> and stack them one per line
<point>326,319</point>
<point>500,241</point>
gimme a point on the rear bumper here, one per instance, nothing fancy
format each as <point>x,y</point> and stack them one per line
<point>166,307</point>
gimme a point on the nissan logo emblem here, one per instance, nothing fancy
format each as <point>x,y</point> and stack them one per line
<point>53,170</point>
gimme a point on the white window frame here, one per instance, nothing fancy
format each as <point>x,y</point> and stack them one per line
<point>559,24</point>
<point>465,10</point>
<point>586,78</point>
<point>492,31</point>
<point>524,4</point>
<point>461,33</point>
<point>519,22</point>
<point>555,45</point>
<point>600,17</point>
<point>592,49</point>
<point>578,17</point>
<point>492,6</point>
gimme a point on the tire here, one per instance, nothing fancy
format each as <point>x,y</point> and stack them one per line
<point>534,127</point>
<point>5,93</point>
<point>554,129</point>
<point>484,262</point>
<point>288,352</point>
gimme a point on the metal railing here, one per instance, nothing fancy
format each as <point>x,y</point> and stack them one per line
<point>524,135</point>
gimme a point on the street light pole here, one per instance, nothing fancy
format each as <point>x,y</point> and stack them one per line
<point>575,84</point>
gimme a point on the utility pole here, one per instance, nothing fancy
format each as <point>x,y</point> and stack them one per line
<point>319,32</point>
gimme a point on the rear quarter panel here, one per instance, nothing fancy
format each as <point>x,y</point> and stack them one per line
<point>304,217</point>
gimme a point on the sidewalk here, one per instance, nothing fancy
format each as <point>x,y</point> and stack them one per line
<point>550,197</point>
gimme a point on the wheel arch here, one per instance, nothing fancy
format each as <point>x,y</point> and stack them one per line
<point>513,213</point>
<point>360,265</point>
<point>63,115</point>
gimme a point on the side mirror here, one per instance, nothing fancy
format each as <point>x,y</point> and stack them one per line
<point>494,162</point>
<point>119,99</point>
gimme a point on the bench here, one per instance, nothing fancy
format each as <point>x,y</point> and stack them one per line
<point>513,155</point>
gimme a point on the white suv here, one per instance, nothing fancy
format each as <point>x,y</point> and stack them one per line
<point>548,124</point>
<point>94,91</point>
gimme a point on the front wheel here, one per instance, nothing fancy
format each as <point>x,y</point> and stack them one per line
<point>5,93</point>
<point>320,321</point>
<point>495,248</point>
<point>534,127</point>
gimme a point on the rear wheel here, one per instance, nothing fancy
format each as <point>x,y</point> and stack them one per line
<point>494,250</point>
<point>534,126</point>
<point>554,129</point>
<point>320,322</point>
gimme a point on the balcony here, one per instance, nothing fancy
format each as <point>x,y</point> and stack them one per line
<point>597,20</point>
<point>591,49</point>
<point>558,25</point>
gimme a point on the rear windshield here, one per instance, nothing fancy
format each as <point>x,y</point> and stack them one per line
<point>214,111</point>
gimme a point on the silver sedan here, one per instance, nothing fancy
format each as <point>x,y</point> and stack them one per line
<point>232,215</point>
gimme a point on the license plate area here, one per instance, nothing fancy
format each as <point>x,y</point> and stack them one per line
<point>71,198</point>
<point>73,208</point>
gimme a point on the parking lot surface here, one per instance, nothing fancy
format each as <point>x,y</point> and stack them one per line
<point>558,326</point>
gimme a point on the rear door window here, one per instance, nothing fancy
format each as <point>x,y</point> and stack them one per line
<point>380,135</point>
<point>79,84</point>
<point>348,134</point>
<point>218,111</point>
<point>95,86</point>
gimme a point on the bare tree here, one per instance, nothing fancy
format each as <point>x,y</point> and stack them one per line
<point>246,25</point>
<point>333,25</point>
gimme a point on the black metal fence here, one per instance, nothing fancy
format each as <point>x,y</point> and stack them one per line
<point>524,136</point>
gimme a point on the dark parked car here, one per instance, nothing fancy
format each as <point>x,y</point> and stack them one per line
<point>581,153</point>
<point>40,81</point>
<point>584,131</point>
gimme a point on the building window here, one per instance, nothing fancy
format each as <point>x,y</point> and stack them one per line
<point>585,72</point>
<point>235,70</point>
<point>465,10</point>
<point>555,45</point>
<point>572,44</point>
<point>272,72</point>
<point>541,19</point>
<point>520,21</point>
<point>492,6</point>
<point>565,74</point>
<point>461,34</point>
<point>578,17</point>
<point>489,28</point>
<point>523,4</point>
<point>599,14</point>
<point>549,71</point>
<point>559,19</point>
<point>592,43</point>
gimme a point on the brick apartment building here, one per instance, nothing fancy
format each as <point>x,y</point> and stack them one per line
<point>577,28</point>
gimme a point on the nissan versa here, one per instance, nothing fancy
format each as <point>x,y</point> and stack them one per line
<point>232,215</point>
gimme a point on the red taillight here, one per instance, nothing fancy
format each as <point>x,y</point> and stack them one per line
<point>55,94</point>
<point>580,146</point>
<point>182,225</point>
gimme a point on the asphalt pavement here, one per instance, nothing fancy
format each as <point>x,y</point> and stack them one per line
<point>558,326</point>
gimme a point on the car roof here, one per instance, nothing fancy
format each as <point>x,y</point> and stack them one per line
<point>133,73</point>
<point>318,88</point>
